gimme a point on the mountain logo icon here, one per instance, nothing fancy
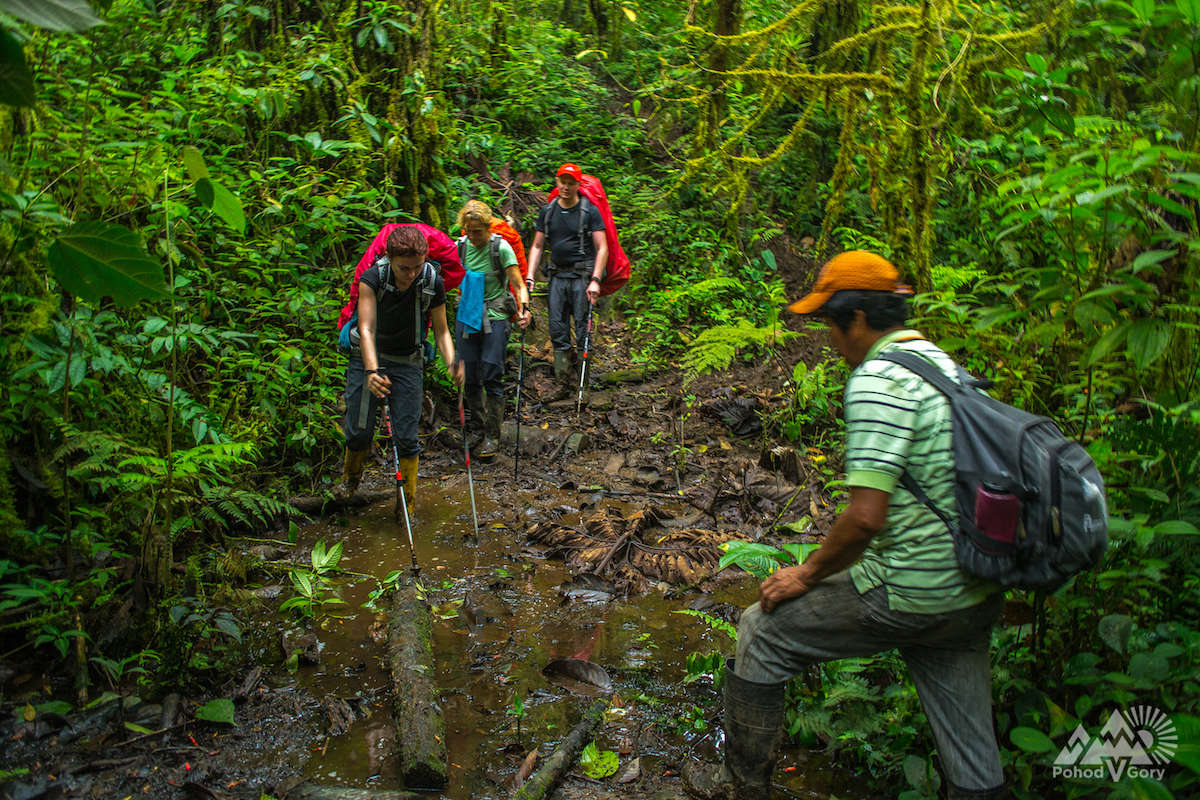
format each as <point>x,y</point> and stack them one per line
<point>1142,736</point>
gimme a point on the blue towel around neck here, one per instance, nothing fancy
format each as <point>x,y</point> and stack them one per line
<point>470,306</point>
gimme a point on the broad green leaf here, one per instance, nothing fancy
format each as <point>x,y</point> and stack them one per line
<point>1092,315</point>
<point>221,202</point>
<point>1143,9</point>
<point>1031,740</point>
<point>1188,753</point>
<point>55,707</point>
<point>1108,342</point>
<point>219,710</point>
<point>629,13</point>
<point>1060,118</point>
<point>1036,62</point>
<point>194,161</point>
<point>55,15</point>
<point>1148,339</point>
<point>1149,258</point>
<point>1149,789</point>
<point>94,260</point>
<point>16,84</point>
<point>598,763</point>
<point>1190,10</point>
<point>1176,527</point>
<point>1115,630</point>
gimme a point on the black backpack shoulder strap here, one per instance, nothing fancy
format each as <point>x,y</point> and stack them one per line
<point>494,254</point>
<point>461,244</point>
<point>925,369</point>
<point>584,238</point>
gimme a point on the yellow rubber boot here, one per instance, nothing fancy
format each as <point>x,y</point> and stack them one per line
<point>352,470</point>
<point>408,469</point>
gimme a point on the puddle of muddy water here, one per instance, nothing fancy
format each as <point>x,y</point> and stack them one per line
<point>500,616</point>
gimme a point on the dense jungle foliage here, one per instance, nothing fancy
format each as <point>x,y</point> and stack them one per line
<point>185,188</point>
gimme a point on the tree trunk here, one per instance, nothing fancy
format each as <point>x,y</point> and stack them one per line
<point>420,729</point>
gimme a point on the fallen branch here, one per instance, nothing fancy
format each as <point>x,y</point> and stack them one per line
<point>321,504</point>
<point>545,779</point>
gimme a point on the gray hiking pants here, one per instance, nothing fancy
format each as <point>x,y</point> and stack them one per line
<point>404,403</point>
<point>947,655</point>
<point>568,298</point>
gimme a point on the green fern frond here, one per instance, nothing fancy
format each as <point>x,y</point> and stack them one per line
<point>715,348</point>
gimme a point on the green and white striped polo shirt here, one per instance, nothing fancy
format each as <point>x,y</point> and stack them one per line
<point>895,420</point>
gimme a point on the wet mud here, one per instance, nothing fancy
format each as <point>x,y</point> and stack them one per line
<point>525,632</point>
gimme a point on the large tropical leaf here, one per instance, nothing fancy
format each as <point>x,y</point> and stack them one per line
<point>221,202</point>
<point>16,84</point>
<point>57,15</point>
<point>94,260</point>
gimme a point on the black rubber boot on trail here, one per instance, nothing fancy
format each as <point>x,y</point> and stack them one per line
<point>491,428</point>
<point>753,730</point>
<point>475,416</point>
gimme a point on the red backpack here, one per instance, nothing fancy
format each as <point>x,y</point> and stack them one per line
<point>616,273</point>
<point>441,250</point>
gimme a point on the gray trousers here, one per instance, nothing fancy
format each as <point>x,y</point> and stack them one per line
<point>404,403</point>
<point>568,298</point>
<point>947,655</point>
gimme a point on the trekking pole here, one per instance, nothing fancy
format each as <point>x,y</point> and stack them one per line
<point>462,420</point>
<point>587,340</point>
<point>401,501</point>
<point>520,388</point>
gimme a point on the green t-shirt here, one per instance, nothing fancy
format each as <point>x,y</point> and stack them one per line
<point>479,259</point>
<point>897,421</point>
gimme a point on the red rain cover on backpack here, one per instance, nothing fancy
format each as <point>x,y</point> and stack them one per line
<point>441,250</point>
<point>509,234</point>
<point>616,273</point>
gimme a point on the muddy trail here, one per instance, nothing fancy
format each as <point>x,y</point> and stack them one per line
<point>586,556</point>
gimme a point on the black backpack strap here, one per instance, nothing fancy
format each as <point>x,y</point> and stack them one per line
<point>494,255</point>
<point>910,483</point>
<point>929,373</point>
<point>584,205</point>
<point>926,370</point>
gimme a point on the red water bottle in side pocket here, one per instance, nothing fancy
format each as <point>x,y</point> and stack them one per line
<point>997,512</point>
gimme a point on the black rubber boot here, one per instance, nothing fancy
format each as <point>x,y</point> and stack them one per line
<point>475,416</point>
<point>753,730</point>
<point>491,428</point>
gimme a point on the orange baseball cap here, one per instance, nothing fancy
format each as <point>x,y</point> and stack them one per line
<point>853,269</point>
<point>570,169</point>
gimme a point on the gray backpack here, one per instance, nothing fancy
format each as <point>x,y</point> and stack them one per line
<point>1031,509</point>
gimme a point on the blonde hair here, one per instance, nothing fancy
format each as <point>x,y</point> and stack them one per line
<point>474,211</point>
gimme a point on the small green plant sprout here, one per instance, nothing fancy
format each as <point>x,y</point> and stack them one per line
<point>388,584</point>
<point>114,671</point>
<point>597,763</point>
<point>312,588</point>
<point>516,709</point>
<point>325,561</point>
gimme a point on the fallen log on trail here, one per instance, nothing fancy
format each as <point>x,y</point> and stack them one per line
<point>310,792</point>
<point>420,728</point>
<point>310,505</point>
<point>542,782</point>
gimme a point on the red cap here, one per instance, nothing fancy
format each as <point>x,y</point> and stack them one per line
<point>570,169</point>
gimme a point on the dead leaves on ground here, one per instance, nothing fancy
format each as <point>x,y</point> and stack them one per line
<point>633,550</point>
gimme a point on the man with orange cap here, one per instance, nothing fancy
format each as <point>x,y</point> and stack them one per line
<point>574,230</point>
<point>886,576</point>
